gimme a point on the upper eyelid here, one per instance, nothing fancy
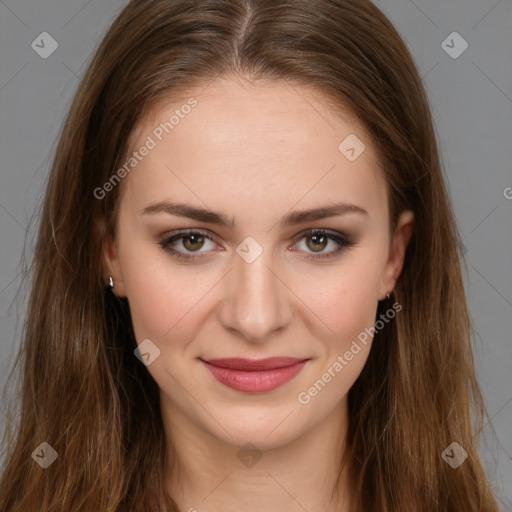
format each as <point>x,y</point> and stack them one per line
<point>183,233</point>
<point>176,236</point>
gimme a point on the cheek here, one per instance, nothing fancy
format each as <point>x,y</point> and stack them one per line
<point>161,296</point>
<point>344,300</point>
<point>347,306</point>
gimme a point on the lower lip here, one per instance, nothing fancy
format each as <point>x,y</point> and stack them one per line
<point>254,381</point>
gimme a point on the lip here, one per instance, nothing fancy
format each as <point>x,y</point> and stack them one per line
<point>254,375</point>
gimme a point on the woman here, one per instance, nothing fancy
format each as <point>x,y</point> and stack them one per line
<point>246,287</point>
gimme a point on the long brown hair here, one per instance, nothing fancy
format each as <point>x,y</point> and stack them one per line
<point>80,387</point>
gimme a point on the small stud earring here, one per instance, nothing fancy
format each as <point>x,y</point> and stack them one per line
<point>388,293</point>
<point>110,282</point>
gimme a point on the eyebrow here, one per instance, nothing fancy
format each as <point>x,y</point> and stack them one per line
<point>221,219</point>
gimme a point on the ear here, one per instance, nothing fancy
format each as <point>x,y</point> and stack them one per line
<point>395,263</point>
<point>110,259</point>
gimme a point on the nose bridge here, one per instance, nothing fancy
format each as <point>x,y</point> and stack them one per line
<point>258,302</point>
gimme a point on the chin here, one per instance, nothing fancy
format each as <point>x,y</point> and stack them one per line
<point>270,432</point>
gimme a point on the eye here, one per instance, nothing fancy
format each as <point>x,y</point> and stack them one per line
<point>317,240</point>
<point>190,240</point>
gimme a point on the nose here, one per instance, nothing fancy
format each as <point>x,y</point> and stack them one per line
<point>256,301</point>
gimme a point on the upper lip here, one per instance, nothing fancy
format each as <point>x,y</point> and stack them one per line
<point>270,363</point>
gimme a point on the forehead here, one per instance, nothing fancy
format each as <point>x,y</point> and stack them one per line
<point>266,142</point>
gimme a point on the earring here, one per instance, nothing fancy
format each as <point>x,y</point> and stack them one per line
<point>111,282</point>
<point>388,294</point>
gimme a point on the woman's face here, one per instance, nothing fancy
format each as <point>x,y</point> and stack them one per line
<point>267,284</point>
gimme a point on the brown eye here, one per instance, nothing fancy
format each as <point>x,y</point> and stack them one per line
<point>317,242</point>
<point>184,244</point>
<point>196,241</point>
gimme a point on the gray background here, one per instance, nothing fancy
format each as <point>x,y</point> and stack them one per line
<point>471,100</point>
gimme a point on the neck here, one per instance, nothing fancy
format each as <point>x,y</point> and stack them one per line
<point>208,475</point>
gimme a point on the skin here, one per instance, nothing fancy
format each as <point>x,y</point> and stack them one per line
<point>255,153</point>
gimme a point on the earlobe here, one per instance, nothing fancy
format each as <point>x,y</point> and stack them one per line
<point>110,262</point>
<point>399,242</point>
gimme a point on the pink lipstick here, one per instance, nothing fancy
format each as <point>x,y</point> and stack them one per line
<point>255,376</point>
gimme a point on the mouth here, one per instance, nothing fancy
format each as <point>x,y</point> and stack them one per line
<point>254,376</point>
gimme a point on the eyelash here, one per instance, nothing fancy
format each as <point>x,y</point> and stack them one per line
<point>342,241</point>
